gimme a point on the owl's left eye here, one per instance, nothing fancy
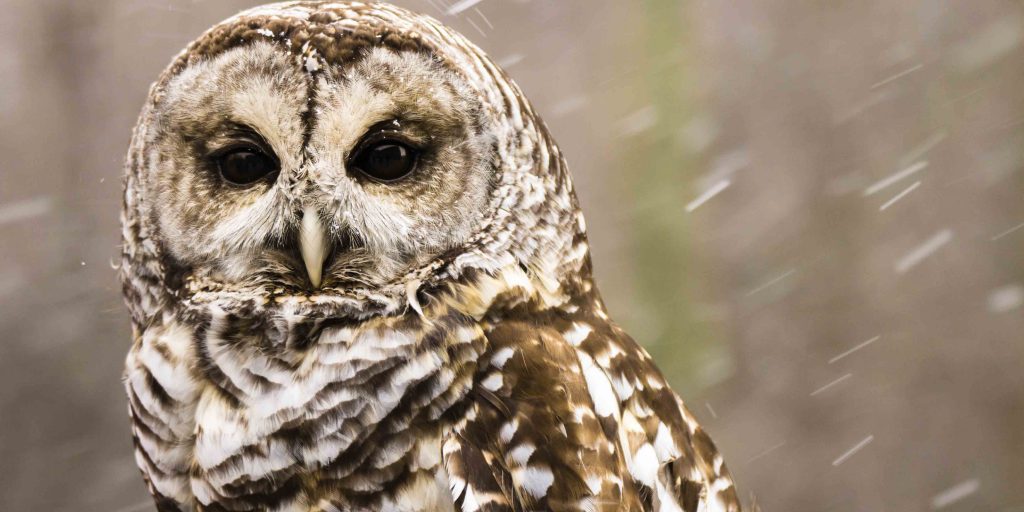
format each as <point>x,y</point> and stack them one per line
<point>246,166</point>
<point>386,160</point>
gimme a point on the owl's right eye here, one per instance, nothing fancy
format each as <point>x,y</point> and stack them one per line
<point>246,166</point>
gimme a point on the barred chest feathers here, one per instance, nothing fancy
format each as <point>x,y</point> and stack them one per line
<point>231,416</point>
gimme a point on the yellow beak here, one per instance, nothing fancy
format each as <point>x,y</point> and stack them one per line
<point>313,244</point>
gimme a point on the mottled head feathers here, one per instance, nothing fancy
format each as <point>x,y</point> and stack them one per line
<point>309,80</point>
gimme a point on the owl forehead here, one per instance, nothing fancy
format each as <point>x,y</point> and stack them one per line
<point>318,34</point>
<point>259,86</point>
<point>372,54</point>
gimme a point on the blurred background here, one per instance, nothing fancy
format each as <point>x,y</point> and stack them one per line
<point>811,213</point>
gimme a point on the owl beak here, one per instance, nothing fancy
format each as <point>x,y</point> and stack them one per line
<point>313,244</point>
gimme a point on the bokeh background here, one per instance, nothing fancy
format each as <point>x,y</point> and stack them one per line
<point>811,213</point>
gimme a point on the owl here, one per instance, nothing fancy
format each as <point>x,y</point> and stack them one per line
<point>359,279</point>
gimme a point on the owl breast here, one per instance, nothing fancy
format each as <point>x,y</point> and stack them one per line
<point>227,417</point>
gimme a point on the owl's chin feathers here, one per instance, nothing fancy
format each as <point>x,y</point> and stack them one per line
<point>345,271</point>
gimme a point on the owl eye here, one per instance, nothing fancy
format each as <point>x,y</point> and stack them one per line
<point>246,166</point>
<point>386,160</point>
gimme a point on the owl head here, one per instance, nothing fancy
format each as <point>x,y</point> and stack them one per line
<point>338,152</point>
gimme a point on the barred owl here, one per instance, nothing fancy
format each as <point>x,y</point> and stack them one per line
<point>359,279</point>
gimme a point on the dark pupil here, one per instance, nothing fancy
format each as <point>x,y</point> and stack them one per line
<point>386,161</point>
<point>246,166</point>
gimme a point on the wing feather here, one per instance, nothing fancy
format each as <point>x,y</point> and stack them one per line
<point>566,417</point>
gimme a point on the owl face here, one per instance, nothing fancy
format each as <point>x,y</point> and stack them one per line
<point>267,170</point>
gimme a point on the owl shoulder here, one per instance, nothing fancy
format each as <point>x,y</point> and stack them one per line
<point>573,414</point>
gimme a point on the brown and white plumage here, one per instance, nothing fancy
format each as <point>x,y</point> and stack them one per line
<point>448,352</point>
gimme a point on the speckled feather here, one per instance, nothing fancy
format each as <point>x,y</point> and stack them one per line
<point>483,375</point>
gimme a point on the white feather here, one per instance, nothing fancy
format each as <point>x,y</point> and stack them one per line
<point>535,480</point>
<point>606,403</point>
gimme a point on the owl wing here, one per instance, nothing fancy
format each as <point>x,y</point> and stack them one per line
<point>547,429</point>
<point>531,439</point>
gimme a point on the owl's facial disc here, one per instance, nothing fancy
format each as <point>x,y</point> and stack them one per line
<point>269,176</point>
